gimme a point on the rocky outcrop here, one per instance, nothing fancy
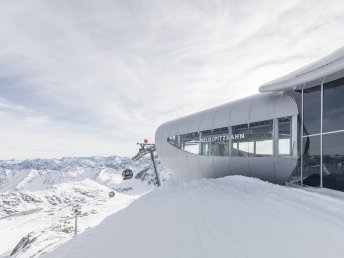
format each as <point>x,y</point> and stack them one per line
<point>24,243</point>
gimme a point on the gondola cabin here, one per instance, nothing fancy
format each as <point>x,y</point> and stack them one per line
<point>112,194</point>
<point>127,174</point>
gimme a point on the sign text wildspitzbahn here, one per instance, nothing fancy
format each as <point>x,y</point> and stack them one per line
<point>223,138</point>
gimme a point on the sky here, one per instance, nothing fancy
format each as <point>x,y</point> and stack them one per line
<point>84,78</point>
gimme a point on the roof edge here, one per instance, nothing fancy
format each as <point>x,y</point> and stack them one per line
<point>322,68</point>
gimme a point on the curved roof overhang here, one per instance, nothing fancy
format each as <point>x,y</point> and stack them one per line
<point>309,75</point>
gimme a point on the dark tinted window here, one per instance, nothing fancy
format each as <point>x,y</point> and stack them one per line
<point>333,158</point>
<point>311,160</point>
<point>312,110</point>
<point>334,106</point>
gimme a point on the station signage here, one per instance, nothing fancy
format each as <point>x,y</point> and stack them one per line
<point>223,138</point>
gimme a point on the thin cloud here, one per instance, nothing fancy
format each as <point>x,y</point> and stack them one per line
<point>88,78</point>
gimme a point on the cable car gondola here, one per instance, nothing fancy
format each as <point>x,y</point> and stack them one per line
<point>111,194</point>
<point>127,174</point>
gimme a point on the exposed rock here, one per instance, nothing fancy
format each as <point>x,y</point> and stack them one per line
<point>24,243</point>
<point>121,190</point>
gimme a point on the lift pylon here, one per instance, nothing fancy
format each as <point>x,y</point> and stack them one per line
<point>148,148</point>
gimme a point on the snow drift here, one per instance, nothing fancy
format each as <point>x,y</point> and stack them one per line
<point>228,217</point>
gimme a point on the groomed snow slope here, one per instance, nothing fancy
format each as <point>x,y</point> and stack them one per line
<point>228,217</point>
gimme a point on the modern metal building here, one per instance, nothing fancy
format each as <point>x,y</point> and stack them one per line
<point>293,131</point>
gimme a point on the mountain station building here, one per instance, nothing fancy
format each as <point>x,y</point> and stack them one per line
<point>291,132</point>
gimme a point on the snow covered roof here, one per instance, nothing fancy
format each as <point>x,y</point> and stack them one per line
<point>322,68</point>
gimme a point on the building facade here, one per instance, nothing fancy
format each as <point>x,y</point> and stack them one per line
<point>293,131</point>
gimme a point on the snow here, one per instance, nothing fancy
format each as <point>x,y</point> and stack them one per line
<point>56,214</point>
<point>227,217</point>
<point>37,196</point>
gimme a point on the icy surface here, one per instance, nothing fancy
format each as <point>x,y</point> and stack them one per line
<point>228,217</point>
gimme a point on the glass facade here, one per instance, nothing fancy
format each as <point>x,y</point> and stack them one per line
<point>322,162</point>
<point>317,135</point>
<point>241,146</point>
<point>311,160</point>
<point>333,161</point>
<point>190,142</point>
<point>261,139</point>
<point>215,142</point>
<point>284,136</point>
<point>245,140</point>
<point>174,140</point>
<point>205,144</point>
<point>333,106</point>
<point>311,110</point>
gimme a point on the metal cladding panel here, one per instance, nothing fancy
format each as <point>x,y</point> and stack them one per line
<point>169,149</point>
<point>180,153</point>
<point>182,129</point>
<point>161,149</point>
<point>194,122</point>
<point>183,125</point>
<point>183,166</point>
<point>285,105</point>
<point>166,149</point>
<point>193,165</point>
<point>263,168</point>
<point>170,164</point>
<point>207,119</point>
<point>239,166</point>
<point>263,107</point>
<point>221,118</point>
<point>205,163</point>
<point>158,144</point>
<point>174,127</point>
<point>241,111</point>
<point>221,166</point>
<point>284,168</point>
<point>165,130</point>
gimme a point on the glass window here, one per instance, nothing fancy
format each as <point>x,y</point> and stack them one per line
<point>261,138</point>
<point>205,142</point>
<point>311,160</point>
<point>284,136</point>
<point>190,142</point>
<point>174,140</point>
<point>333,161</point>
<point>311,110</point>
<point>241,146</point>
<point>334,106</point>
<point>215,142</point>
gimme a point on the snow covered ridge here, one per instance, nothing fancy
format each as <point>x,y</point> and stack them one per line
<point>39,220</point>
<point>39,174</point>
<point>62,164</point>
<point>37,196</point>
<point>226,217</point>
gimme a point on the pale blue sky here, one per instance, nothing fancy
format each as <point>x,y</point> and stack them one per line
<point>80,78</point>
